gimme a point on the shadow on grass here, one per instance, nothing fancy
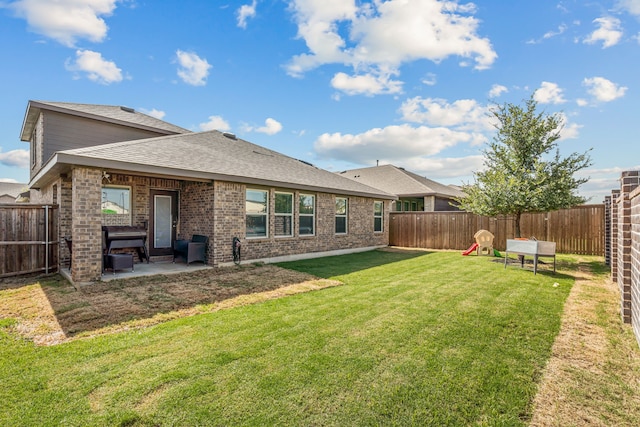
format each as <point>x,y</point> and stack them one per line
<point>333,266</point>
<point>57,311</point>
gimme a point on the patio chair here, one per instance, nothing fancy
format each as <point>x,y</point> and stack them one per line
<point>484,239</point>
<point>191,250</point>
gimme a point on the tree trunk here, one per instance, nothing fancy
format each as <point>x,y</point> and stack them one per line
<point>518,233</point>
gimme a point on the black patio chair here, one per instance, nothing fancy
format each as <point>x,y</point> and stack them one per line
<point>191,250</point>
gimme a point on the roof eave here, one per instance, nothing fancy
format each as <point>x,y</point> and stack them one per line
<point>61,162</point>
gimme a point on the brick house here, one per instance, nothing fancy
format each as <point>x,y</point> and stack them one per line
<point>111,165</point>
<point>415,192</point>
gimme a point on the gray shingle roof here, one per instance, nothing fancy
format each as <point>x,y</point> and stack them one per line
<point>400,182</point>
<point>109,113</point>
<point>12,189</point>
<point>212,155</point>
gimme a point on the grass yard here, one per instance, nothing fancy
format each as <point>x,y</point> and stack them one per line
<point>410,338</point>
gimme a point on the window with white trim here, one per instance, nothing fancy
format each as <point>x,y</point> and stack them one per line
<point>257,211</point>
<point>378,216</point>
<point>283,221</point>
<point>306,215</point>
<point>341,215</point>
<point>116,205</point>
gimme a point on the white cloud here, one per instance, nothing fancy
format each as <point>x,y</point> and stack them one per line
<point>367,84</point>
<point>66,21</point>
<point>550,34</point>
<point>497,90</point>
<point>609,32</point>
<point>445,167</point>
<point>17,158</point>
<point>271,127</point>
<point>154,113</point>
<point>569,130</point>
<point>245,12</point>
<point>631,6</point>
<point>11,180</point>
<point>463,114</point>
<point>95,67</point>
<point>384,35</point>
<point>193,70</point>
<point>430,79</point>
<point>603,90</point>
<point>549,93</point>
<point>392,143</point>
<point>215,123</point>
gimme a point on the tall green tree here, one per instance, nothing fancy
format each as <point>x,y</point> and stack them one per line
<point>524,171</point>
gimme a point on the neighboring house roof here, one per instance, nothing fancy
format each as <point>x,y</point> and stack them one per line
<point>402,183</point>
<point>107,113</point>
<point>205,156</point>
<point>11,190</point>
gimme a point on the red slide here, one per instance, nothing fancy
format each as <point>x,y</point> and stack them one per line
<point>471,249</point>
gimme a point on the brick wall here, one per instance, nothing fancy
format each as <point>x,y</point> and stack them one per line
<point>197,213</point>
<point>615,194</point>
<point>229,222</point>
<point>214,209</point>
<point>628,182</point>
<point>86,225</point>
<point>607,230</point>
<point>634,296</point>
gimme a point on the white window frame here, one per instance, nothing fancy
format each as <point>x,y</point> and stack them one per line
<point>379,216</point>
<point>264,214</point>
<point>345,216</point>
<point>306,215</point>
<point>283,214</point>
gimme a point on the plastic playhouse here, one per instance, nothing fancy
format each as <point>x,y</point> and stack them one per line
<point>483,244</point>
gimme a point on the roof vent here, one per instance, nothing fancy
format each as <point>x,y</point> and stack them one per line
<point>306,163</point>
<point>127,109</point>
<point>230,135</point>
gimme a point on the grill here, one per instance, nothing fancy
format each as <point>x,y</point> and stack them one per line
<point>122,236</point>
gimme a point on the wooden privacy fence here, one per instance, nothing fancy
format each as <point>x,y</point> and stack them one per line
<point>579,230</point>
<point>28,239</point>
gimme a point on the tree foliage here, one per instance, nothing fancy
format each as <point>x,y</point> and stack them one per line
<point>524,171</point>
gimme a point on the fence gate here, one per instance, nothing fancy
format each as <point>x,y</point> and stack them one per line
<point>28,239</point>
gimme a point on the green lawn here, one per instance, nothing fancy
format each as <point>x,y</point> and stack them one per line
<point>410,339</point>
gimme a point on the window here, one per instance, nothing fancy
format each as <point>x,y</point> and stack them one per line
<point>307,214</point>
<point>406,206</point>
<point>284,214</point>
<point>256,205</point>
<point>116,205</point>
<point>341,215</point>
<point>378,212</point>
<point>34,147</point>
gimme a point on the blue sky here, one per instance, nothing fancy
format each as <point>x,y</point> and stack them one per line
<point>339,83</point>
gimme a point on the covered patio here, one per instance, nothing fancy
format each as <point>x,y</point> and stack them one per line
<point>140,269</point>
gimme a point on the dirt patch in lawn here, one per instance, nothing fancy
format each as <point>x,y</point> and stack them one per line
<point>48,310</point>
<point>593,376</point>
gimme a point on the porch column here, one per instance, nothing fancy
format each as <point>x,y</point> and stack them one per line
<point>86,225</point>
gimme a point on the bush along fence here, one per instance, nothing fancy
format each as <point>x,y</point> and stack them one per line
<point>623,245</point>
<point>580,230</point>
<point>28,239</point>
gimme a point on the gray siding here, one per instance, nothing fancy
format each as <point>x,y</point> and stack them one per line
<point>65,132</point>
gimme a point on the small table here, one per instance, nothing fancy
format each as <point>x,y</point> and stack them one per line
<point>119,262</point>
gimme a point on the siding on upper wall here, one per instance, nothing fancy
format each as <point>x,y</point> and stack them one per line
<point>65,132</point>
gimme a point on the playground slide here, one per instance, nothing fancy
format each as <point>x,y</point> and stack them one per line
<point>471,249</point>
